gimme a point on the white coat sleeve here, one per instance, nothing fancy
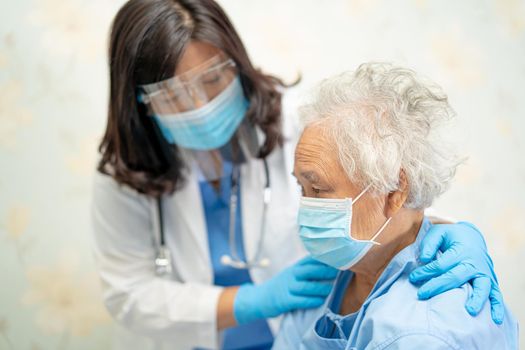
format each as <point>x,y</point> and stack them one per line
<point>182,313</point>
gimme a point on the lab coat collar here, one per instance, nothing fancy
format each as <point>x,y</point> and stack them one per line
<point>252,190</point>
<point>190,210</point>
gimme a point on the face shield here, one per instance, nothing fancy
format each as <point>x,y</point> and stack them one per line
<point>190,90</point>
<point>202,111</point>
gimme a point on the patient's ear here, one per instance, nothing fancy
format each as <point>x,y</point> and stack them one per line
<point>397,198</point>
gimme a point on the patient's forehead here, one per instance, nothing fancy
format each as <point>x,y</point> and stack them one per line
<point>314,142</point>
<point>315,151</point>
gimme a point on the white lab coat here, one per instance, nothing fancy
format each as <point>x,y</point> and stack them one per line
<point>179,312</point>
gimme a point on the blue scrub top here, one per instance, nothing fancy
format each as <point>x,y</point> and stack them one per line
<point>255,335</point>
<point>392,317</point>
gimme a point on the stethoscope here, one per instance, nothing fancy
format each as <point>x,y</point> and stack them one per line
<point>163,259</point>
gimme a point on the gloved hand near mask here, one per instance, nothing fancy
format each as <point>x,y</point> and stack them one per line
<point>304,285</point>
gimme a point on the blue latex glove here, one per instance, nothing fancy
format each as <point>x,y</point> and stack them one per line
<point>301,286</point>
<point>464,259</point>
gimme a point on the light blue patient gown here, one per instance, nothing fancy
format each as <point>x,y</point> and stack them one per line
<point>392,317</point>
<point>255,335</point>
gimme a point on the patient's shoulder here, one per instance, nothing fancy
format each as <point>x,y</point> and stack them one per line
<point>443,317</point>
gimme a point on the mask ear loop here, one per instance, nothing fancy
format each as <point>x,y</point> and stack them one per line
<point>361,194</point>
<point>372,240</point>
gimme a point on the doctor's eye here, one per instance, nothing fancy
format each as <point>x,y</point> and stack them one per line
<point>212,78</point>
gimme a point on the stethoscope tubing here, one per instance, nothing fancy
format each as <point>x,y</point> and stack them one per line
<point>162,260</point>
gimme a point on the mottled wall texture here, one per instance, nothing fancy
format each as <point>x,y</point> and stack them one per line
<point>53,98</point>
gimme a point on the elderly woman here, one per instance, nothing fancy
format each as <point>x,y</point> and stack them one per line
<point>369,161</point>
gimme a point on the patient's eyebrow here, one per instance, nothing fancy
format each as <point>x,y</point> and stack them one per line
<point>310,176</point>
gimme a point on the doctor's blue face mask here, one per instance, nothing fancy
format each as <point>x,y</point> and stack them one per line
<point>199,110</point>
<point>325,230</point>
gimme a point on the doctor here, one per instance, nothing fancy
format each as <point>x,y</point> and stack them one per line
<point>194,206</point>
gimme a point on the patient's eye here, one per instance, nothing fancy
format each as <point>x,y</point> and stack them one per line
<point>310,190</point>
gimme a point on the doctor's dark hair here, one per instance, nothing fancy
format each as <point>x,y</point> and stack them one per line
<point>148,38</point>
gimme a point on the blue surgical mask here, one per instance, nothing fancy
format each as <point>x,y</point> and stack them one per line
<point>325,229</point>
<point>210,126</point>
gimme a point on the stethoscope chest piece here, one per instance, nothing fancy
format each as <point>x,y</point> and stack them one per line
<point>163,262</point>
